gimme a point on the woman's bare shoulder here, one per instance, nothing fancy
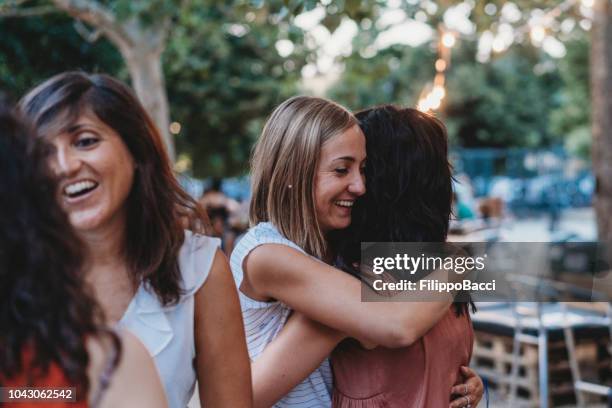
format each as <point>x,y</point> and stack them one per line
<point>133,382</point>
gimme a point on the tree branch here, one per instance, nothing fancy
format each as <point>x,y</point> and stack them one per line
<point>12,4</point>
<point>87,34</point>
<point>98,16</point>
<point>27,12</point>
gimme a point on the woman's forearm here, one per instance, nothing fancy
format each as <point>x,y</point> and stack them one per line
<point>333,298</point>
<point>277,370</point>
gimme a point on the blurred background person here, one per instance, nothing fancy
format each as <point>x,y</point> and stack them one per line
<point>223,213</point>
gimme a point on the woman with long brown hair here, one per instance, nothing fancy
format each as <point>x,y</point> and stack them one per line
<point>152,268</point>
<point>409,198</point>
<point>52,333</point>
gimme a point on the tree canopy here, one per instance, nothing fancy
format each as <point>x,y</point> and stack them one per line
<point>33,49</point>
<point>521,97</point>
<point>506,102</point>
<point>223,73</point>
<point>224,76</point>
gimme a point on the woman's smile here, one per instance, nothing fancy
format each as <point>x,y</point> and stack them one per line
<point>78,191</point>
<point>96,171</point>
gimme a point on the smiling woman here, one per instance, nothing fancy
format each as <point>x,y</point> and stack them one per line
<point>97,172</point>
<point>339,179</point>
<point>309,158</point>
<point>169,285</point>
<point>307,169</point>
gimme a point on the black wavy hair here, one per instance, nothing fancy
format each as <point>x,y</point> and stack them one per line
<point>408,183</point>
<point>46,311</point>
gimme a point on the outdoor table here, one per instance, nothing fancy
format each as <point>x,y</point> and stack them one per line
<point>532,323</point>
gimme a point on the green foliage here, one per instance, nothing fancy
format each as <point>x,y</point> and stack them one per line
<point>502,104</point>
<point>505,103</point>
<point>572,118</point>
<point>224,76</point>
<point>393,75</point>
<point>33,49</point>
<point>148,12</point>
<point>223,73</point>
<point>521,98</point>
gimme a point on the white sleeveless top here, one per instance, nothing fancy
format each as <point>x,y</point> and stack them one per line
<point>263,321</point>
<point>168,332</point>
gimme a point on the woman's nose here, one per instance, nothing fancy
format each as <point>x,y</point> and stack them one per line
<point>65,163</point>
<point>357,185</point>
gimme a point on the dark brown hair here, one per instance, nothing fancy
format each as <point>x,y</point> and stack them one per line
<point>408,181</point>
<point>46,310</point>
<point>157,208</point>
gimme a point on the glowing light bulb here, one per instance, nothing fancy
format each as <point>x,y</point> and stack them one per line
<point>438,92</point>
<point>423,105</point>
<point>440,65</point>
<point>175,128</point>
<point>423,108</point>
<point>498,45</point>
<point>538,33</point>
<point>448,40</point>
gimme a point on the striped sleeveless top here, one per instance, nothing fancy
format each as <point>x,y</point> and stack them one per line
<point>264,320</point>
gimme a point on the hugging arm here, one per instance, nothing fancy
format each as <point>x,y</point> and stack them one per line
<point>471,391</point>
<point>333,297</point>
<point>276,371</point>
<point>301,347</point>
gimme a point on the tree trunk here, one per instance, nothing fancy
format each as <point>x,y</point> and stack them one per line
<point>145,69</point>
<point>141,47</point>
<point>601,101</point>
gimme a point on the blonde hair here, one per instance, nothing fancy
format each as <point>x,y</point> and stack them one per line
<point>284,164</point>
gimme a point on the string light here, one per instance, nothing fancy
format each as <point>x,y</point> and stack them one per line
<point>432,96</point>
<point>429,103</point>
<point>175,128</point>
<point>538,33</point>
<point>438,92</point>
<point>448,40</point>
<point>498,45</point>
<point>432,100</point>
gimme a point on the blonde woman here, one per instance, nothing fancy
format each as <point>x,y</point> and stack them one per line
<point>307,171</point>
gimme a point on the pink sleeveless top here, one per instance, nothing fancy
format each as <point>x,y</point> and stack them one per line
<point>418,376</point>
